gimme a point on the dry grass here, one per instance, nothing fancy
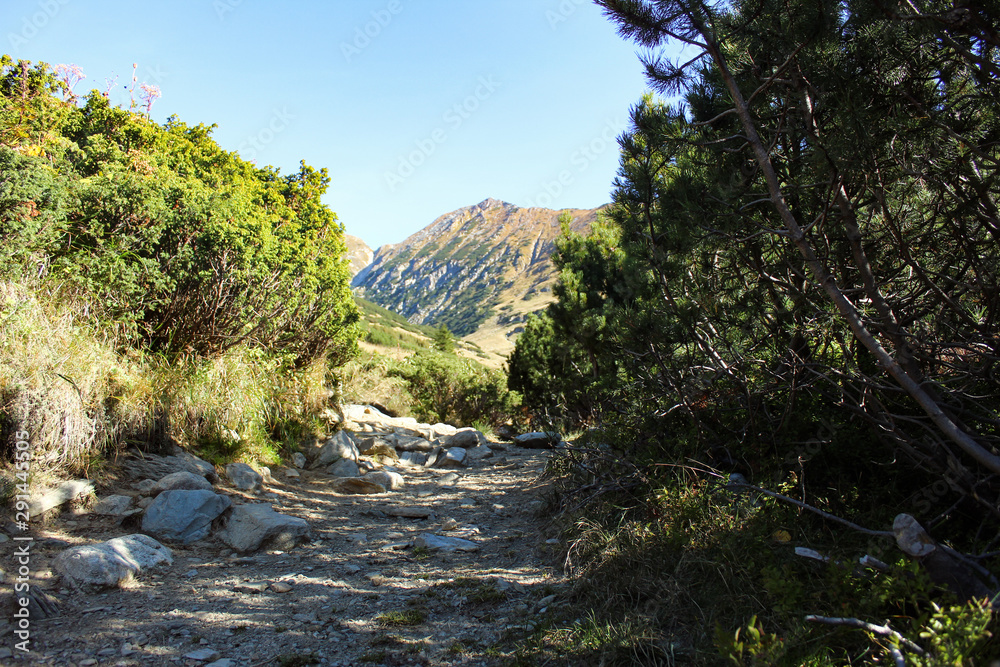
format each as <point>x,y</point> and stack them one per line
<point>367,380</point>
<point>60,381</point>
<point>64,381</point>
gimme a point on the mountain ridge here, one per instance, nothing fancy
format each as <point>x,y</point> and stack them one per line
<point>479,265</point>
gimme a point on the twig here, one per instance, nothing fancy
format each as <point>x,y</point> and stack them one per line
<point>883,630</point>
<point>825,515</point>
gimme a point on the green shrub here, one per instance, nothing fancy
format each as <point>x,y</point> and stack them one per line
<point>449,389</point>
<point>178,243</point>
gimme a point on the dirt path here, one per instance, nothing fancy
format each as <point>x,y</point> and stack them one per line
<point>357,595</point>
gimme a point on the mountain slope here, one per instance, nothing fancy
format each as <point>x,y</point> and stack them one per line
<point>481,264</point>
<point>359,255</point>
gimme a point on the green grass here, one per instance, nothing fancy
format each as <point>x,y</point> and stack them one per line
<point>401,618</point>
<point>687,573</point>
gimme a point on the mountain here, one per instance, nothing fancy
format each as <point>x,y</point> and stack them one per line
<point>359,254</point>
<point>479,270</point>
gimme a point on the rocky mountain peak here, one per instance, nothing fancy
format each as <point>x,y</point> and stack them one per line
<point>468,265</point>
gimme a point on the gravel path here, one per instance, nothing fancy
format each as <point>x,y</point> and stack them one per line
<point>359,594</point>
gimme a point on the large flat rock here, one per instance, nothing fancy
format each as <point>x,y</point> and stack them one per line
<point>250,527</point>
<point>183,515</point>
<point>108,564</point>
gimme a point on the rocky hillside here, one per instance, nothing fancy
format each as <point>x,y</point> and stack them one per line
<point>480,267</point>
<point>358,254</point>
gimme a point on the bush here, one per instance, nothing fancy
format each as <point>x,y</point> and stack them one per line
<point>446,388</point>
<point>183,245</point>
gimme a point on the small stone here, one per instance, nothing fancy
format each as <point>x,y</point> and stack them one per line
<point>113,505</point>
<point>344,468</point>
<point>292,473</point>
<point>251,587</point>
<point>281,586</point>
<point>449,524</point>
<point>63,493</point>
<point>224,662</point>
<point>377,447</point>
<point>244,477</point>
<point>299,460</point>
<point>89,662</point>
<point>466,438</point>
<point>442,543</point>
<point>340,446</point>
<point>416,459</point>
<point>392,481</point>
<point>479,452</point>
<point>178,481</point>
<point>355,486</point>
<point>449,479</point>
<point>203,655</point>
<point>144,485</point>
<point>454,457</point>
<point>537,440</point>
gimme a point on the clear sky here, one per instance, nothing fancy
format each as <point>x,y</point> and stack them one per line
<point>416,107</point>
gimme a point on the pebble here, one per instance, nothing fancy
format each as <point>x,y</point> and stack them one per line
<point>280,586</point>
<point>251,587</point>
<point>203,655</point>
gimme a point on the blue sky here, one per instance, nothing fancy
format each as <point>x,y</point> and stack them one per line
<point>416,107</point>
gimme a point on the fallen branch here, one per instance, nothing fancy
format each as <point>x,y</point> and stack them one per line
<point>816,510</point>
<point>882,630</point>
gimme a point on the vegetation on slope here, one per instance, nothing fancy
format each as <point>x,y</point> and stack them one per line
<point>465,267</point>
<point>157,288</point>
<point>796,285</point>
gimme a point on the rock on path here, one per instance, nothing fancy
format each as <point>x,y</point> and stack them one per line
<point>373,586</point>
